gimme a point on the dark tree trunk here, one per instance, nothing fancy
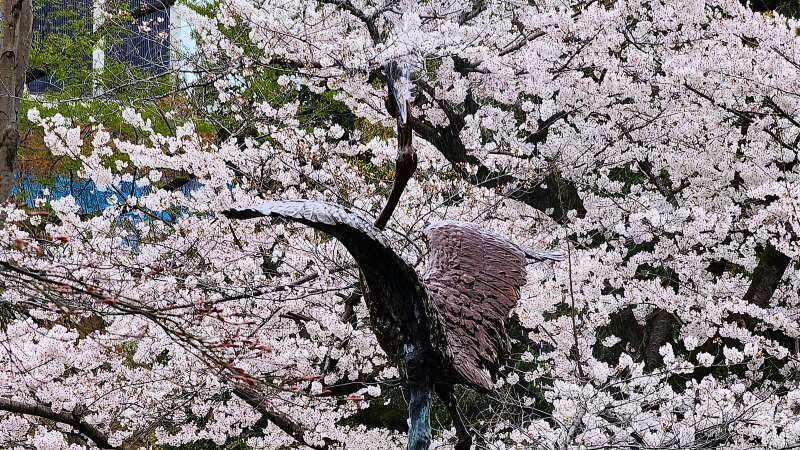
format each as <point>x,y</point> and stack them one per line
<point>14,54</point>
<point>662,325</point>
<point>767,275</point>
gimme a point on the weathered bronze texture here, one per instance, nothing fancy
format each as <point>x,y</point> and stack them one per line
<point>451,328</point>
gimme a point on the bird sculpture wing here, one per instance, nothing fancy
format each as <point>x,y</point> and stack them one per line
<point>474,279</point>
<point>392,283</point>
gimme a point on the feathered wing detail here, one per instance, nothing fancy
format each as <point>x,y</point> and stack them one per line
<point>473,279</point>
<point>316,214</point>
<point>394,287</point>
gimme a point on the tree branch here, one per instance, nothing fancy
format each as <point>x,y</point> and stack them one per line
<point>368,21</point>
<point>70,419</point>
<point>546,196</point>
<point>661,326</point>
<point>157,5</point>
<point>477,7</point>
<point>658,182</point>
<point>282,421</point>
<point>772,264</point>
<point>766,276</point>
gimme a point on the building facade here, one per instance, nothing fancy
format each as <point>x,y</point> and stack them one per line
<point>142,45</point>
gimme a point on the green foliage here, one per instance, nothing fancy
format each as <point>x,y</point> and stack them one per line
<point>64,43</point>
<point>627,176</point>
<point>789,8</point>
<point>63,47</point>
<point>388,411</point>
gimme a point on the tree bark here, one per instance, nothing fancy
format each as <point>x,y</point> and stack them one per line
<point>768,273</point>
<point>556,199</point>
<point>281,420</point>
<point>14,55</point>
<point>662,325</point>
<point>772,263</point>
<point>70,419</point>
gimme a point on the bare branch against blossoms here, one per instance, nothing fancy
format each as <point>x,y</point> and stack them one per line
<point>96,436</point>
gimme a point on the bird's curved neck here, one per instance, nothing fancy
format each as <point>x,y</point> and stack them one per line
<point>406,165</point>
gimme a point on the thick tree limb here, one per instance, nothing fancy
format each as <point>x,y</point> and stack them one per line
<point>70,419</point>
<point>662,324</point>
<point>350,303</point>
<point>179,182</point>
<point>556,199</point>
<point>478,7</point>
<point>369,21</point>
<point>658,182</point>
<point>772,264</point>
<point>155,6</point>
<point>282,421</point>
<point>627,328</point>
<point>768,273</point>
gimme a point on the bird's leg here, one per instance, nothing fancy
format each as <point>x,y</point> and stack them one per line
<point>445,393</point>
<point>419,405</point>
<point>419,411</point>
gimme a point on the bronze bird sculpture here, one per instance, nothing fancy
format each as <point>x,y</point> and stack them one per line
<point>447,328</point>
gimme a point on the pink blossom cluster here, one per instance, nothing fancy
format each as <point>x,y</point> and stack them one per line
<point>652,140</point>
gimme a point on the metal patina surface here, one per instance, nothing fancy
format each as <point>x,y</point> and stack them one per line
<point>449,329</point>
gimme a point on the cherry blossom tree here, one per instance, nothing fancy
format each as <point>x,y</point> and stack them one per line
<point>655,141</point>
